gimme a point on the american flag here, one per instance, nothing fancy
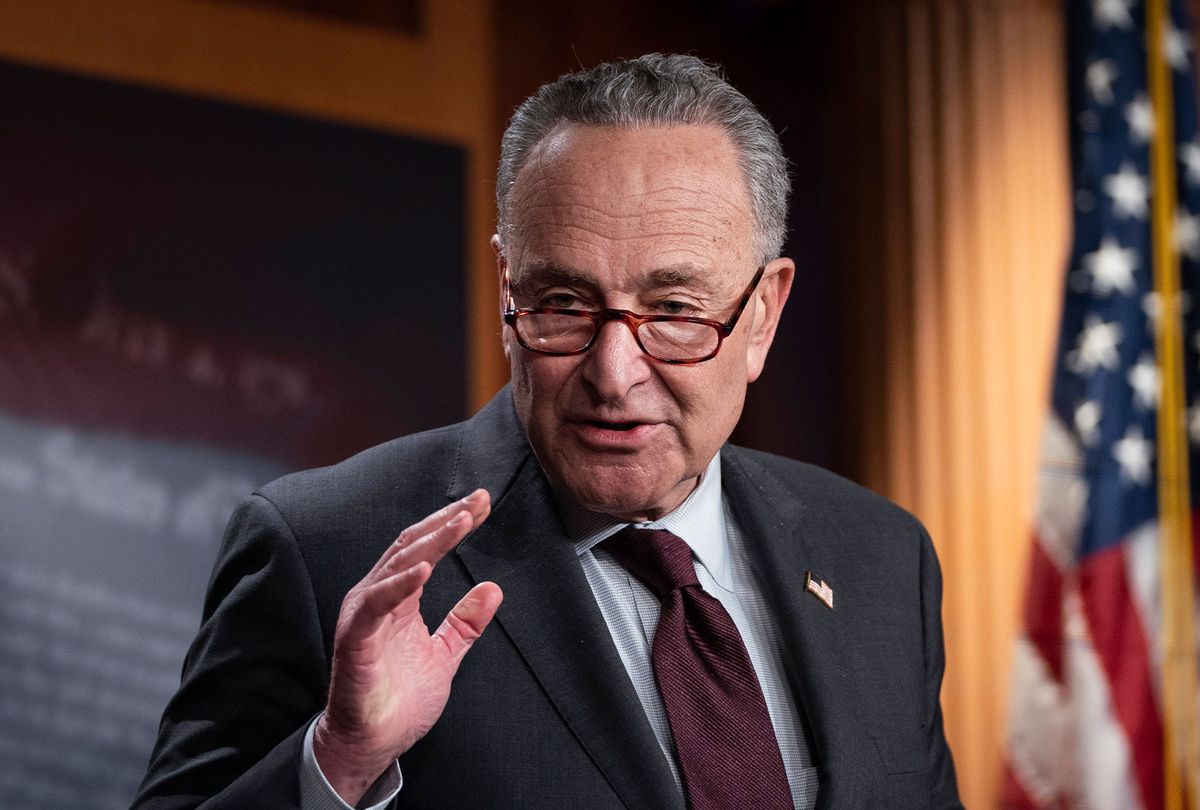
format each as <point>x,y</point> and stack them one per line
<point>1103,707</point>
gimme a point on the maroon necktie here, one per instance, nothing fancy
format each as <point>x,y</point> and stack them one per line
<point>728,755</point>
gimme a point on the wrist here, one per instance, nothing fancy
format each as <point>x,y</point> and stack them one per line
<point>346,766</point>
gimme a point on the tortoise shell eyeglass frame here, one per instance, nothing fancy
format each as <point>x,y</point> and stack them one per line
<point>634,321</point>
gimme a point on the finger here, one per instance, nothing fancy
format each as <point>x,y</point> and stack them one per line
<point>433,546</point>
<point>477,503</point>
<point>385,596</point>
<point>429,549</point>
<point>474,503</point>
<point>468,619</point>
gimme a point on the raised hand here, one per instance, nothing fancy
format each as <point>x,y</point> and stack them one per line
<point>391,677</point>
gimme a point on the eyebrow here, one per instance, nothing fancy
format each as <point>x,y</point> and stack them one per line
<point>679,275</point>
<point>675,275</point>
<point>549,272</point>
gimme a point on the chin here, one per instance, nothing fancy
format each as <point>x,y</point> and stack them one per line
<point>629,492</point>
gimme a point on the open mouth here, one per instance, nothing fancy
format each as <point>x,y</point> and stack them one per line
<point>613,425</point>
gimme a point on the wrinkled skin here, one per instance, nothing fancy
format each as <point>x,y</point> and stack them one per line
<point>653,220</point>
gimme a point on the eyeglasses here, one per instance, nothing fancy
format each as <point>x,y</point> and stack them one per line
<point>678,339</point>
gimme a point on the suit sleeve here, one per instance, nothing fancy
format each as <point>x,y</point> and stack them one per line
<point>257,673</point>
<point>943,789</point>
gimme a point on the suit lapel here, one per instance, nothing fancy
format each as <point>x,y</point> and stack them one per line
<point>784,539</point>
<point>550,613</point>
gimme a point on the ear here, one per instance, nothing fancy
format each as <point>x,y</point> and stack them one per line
<point>501,268</point>
<point>767,303</point>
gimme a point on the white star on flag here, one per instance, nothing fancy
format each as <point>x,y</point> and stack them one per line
<point>1177,44</point>
<point>1087,423</point>
<point>1133,453</point>
<point>1110,13</point>
<point>1187,234</point>
<point>1152,305</point>
<point>1097,346</point>
<point>1129,191</point>
<point>1189,155</point>
<point>1145,381</point>
<point>1100,75</point>
<point>1194,423</point>
<point>1140,117</point>
<point>1111,267</point>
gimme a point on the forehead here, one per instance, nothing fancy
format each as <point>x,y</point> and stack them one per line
<point>604,199</point>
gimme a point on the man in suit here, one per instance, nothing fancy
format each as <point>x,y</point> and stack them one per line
<point>792,656</point>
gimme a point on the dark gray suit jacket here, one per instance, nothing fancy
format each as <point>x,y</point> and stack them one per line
<point>542,713</point>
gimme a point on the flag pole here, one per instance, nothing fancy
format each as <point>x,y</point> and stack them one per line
<point>1181,741</point>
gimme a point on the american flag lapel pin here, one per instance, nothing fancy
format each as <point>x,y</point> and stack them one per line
<point>819,589</point>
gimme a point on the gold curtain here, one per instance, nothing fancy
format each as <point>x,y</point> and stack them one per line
<point>956,274</point>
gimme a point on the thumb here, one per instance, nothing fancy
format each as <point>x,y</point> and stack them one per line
<point>468,619</point>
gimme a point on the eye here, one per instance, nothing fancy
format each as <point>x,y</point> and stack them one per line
<point>560,300</point>
<point>676,308</point>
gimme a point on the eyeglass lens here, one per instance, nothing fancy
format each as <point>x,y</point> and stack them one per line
<point>668,340</point>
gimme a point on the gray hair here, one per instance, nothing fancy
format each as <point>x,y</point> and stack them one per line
<point>655,90</point>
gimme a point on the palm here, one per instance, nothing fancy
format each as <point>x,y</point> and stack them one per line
<point>402,676</point>
<point>391,676</point>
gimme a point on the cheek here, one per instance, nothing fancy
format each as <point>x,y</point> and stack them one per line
<point>538,380</point>
<point>712,401</point>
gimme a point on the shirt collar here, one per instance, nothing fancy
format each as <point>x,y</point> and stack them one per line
<point>699,521</point>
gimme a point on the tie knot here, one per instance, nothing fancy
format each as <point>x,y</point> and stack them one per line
<point>661,560</point>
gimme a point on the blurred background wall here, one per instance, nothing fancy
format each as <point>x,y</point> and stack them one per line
<point>929,226</point>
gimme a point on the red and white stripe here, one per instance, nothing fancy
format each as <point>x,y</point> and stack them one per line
<point>1085,727</point>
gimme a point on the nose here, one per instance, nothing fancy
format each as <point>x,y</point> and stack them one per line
<point>615,363</point>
